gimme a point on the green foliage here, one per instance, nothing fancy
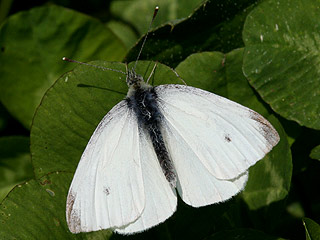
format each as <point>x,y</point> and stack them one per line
<point>138,12</point>
<point>40,215</point>
<point>312,229</point>
<point>282,58</point>
<point>263,55</point>
<point>315,153</point>
<point>32,46</point>
<point>216,26</point>
<point>15,163</point>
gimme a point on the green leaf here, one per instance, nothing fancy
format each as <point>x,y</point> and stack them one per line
<point>15,163</point>
<point>214,26</point>
<point>312,229</point>
<point>269,180</point>
<point>139,12</point>
<point>315,153</point>
<point>296,210</point>
<point>71,110</point>
<point>282,57</point>
<point>124,32</point>
<point>32,46</point>
<point>36,210</point>
<point>242,234</point>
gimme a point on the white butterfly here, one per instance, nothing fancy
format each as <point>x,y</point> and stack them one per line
<point>158,142</point>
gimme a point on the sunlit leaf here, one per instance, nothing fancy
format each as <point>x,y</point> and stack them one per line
<point>282,56</point>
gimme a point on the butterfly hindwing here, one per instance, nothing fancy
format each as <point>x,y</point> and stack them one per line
<point>161,199</point>
<point>196,185</point>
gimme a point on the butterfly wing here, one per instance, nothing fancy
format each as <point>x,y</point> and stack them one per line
<point>212,141</point>
<point>107,190</point>
<point>119,183</point>
<point>161,199</point>
<point>196,185</point>
<point>227,137</point>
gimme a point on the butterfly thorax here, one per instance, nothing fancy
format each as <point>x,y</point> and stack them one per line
<point>142,100</point>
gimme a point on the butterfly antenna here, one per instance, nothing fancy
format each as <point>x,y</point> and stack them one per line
<point>145,38</point>
<point>91,65</point>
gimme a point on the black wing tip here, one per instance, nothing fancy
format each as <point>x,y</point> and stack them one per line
<point>266,129</point>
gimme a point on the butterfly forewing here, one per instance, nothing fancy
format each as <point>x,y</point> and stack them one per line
<point>107,190</point>
<point>225,137</point>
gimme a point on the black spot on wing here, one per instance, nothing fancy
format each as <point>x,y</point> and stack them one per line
<point>106,190</point>
<point>227,138</point>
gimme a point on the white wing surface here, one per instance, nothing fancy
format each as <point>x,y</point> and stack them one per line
<point>107,190</point>
<point>223,137</point>
<point>196,185</point>
<point>161,199</point>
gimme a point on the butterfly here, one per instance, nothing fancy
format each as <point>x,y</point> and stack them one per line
<point>161,141</point>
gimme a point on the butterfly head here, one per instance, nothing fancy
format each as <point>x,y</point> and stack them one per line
<point>134,80</point>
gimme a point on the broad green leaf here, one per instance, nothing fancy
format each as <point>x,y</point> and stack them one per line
<point>282,55</point>
<point>71,110</point>
<point>204,70</point>
<point>32,45</point>
<point>315,153</point>
<point>139,12</point>
<point>36,210</point>
<point>124,32</point>
<point>15,163</point>
<point>312,229</point>
<point>242,234</point>
<point>269,179</point>
<point>214,26</point>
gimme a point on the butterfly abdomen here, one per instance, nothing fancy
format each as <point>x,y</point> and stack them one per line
<point>144,104</point>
